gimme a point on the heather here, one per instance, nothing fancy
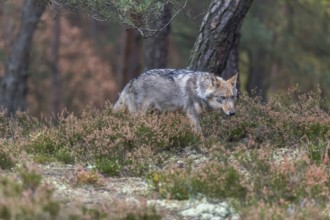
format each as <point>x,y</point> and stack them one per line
<point>269,161</point>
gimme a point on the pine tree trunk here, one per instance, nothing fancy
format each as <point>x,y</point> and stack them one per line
<point>14,83</point>
<point>217,35</point>
<point>156,47</point>
<point>131,61</point>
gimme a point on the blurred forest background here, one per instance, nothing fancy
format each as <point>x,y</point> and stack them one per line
<point>283,43</point>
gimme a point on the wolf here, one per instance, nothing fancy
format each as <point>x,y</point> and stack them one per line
<point>192,92</point>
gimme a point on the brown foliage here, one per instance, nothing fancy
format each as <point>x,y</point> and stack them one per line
<point>86,79</point>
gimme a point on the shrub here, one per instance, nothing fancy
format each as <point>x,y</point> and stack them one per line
<point>270,157</point>
<point>113,141</point>
<point>6,159</point>
<point>213,180</point>
<point>46,147</point>
<point>281,125</point>
<point>110,167</point>
<point>14,197</point>
<point>22,125</point>
<point>87,177</point>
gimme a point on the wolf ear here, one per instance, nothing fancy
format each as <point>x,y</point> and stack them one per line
<point>212,78</point>
<point>233,79</point>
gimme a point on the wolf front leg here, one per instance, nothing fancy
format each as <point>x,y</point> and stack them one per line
<point>194,119</point>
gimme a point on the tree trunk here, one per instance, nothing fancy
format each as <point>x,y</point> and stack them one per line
<point>217,34</point>
<point>14,83</point>
<point>232,64</point>
<point>94,32</point>
<point>256,85</point>
<point>156,48</point>
<point>131,61</point>
<point>56,85</point>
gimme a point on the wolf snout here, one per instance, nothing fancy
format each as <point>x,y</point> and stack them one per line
<point>231,113</point>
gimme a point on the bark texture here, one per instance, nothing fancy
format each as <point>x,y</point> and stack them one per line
<point>156,48</point>
<point>14,83</point>
<point>217,34</point>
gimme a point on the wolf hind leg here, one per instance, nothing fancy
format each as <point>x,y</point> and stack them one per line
<point>125,103</point>
<point>132,107</point>
<point>194,119</point>
<point>119,105</point>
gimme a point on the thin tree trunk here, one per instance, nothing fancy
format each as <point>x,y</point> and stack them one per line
<point>256,85</point>
<point>156,48</point>
<point>7,27</point>
<point>94,30</point>
<point>260,64</point>
<point>131,62</point>
<point>232,64</point>
<point>217,35</point>
<point>14,83</point>
<point>56,85</point>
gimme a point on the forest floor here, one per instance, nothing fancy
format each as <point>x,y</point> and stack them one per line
<point>129,192</point>
<point>269,161</point>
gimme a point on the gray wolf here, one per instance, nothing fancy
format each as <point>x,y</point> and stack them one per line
<point>192,92</point>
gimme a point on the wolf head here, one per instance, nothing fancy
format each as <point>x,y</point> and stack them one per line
<point>221,94</point>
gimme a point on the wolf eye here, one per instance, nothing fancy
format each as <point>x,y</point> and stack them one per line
<point>220,99</point>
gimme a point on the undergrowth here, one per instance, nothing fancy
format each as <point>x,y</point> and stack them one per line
<point>271,160</point>
<point>26,196</point>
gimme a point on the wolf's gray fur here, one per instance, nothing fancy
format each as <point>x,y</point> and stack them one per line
<point>184,90</point>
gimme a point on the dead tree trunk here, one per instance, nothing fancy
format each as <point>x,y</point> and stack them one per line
<point>14,83</point>
<point>156,47</point>
<point>217,35</point>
